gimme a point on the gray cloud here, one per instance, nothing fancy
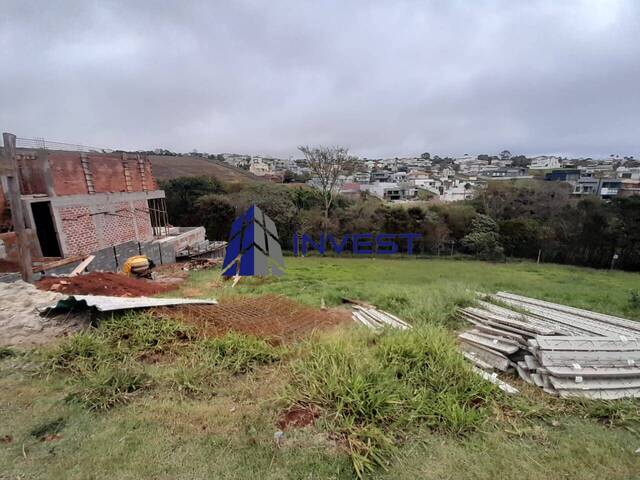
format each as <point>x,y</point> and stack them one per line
<point>384,78</point>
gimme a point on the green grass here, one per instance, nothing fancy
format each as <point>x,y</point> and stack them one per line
<point>142,398</point>
<point>428,289</point>
<point>376,388</point>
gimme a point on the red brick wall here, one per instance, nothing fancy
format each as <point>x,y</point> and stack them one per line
<point>143,220</point>
<point>119,227</point>
<point>31,174</point>
<point>107,172</point>
<point>79,230</point>
<point>67,174</point>
<point>85,233</point>
<point>151,180</point>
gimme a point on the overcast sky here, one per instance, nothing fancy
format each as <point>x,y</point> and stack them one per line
<point>385,78</point>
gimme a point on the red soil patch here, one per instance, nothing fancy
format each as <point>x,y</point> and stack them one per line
<point>297,417</point>
<point>273,317</point>
<point>104,283</point>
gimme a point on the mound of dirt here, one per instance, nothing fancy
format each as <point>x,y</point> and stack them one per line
<point>273,317</point>
<point>104,283</point>
<point>297,417</point>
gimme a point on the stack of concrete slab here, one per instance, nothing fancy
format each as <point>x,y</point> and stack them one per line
<point>567,351</point>
<point>377,319</point>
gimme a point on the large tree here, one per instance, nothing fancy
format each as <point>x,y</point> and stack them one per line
<point>327,164</point>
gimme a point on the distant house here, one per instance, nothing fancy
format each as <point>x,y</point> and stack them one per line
<point>629,187</point>
<point>544,162</point>
<point>380,176</point>
<point>508,173</point>
<point>259,167</point>
<point>361,177</point>
<point>391,191</point>
<point>570,175</point>
<point>602,187</point>
<point>456,191</point>
<point>350,189</point>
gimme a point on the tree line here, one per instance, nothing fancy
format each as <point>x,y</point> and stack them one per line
<point>524,219</point>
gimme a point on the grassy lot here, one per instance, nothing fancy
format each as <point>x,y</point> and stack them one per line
<point>423,290</point>
<point>139,398</point>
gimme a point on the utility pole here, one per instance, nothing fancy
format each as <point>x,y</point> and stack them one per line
<point>17,215</point>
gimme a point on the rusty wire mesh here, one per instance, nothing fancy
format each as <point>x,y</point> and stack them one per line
<point>273,317</point>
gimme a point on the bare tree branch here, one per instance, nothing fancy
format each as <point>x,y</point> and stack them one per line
<point>327,165</point>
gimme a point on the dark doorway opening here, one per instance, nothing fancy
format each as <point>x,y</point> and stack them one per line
<point>47,235</point>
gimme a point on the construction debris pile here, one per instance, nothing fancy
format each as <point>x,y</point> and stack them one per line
<point>567,351</point>
<point>104,283</point>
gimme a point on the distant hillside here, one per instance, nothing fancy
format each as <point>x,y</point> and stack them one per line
<point>166,168</point>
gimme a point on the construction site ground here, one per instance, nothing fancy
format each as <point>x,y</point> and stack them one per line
<point>187,420</point>
<point>104,283</point>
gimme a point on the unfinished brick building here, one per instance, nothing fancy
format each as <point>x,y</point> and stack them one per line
<point>78,203</point>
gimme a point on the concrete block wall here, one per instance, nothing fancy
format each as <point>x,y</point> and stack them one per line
<point>92,222</point>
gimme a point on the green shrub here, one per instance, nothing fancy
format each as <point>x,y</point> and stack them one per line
<point>236,353</point>
<point>108,386</point>
<point>80,352</point>
<point>233,354</point>
<point>373,389</point>
<point>634,299</point>
<point>139,333</point>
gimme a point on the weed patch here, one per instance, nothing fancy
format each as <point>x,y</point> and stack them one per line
<point>634,299</point>
<point>139,333</point>
<point>81,352</point>
<point>237,353</point>
<point>211,358</point>
<point>373,389</point>
<point>108,386</point>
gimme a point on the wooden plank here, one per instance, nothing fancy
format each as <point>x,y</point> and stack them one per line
<point>17,214</point>
<point>57,263</point>
<point>84,264</point>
